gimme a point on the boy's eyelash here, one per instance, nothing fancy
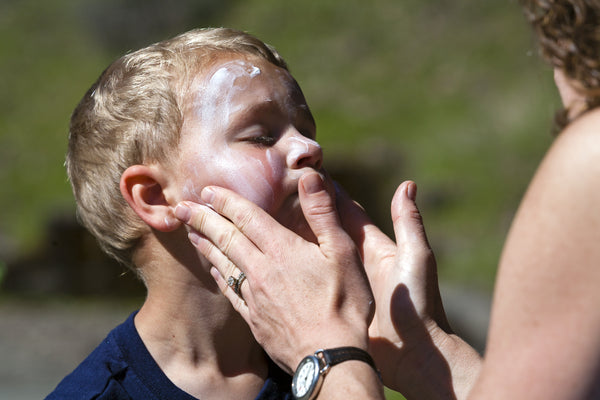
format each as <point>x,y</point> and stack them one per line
<point>264,140</point>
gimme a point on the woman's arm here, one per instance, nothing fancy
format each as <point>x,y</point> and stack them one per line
<point>544,339</point>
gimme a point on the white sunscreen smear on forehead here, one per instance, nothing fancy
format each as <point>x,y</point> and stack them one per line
<point>255,71</point>
<point>221,86</point>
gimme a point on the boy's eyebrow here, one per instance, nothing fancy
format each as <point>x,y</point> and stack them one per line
<point>250,114</point>
<point>268,106</point>
<point>265,105</point>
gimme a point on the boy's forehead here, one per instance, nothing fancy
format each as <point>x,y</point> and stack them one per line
<point>234,73</point>
<point>203,70</point>
<point>236,68</point>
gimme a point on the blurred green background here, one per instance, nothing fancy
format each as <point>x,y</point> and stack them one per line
<point>451,94</point>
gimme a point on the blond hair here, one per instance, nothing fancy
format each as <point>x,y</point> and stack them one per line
<point>133,115</point>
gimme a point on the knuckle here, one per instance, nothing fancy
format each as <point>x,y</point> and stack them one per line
<point>224,240</point>
<point>416,215</point>
<point>320,209</point>
<point>199,220</point>
<point>230,270</point>
<point>243,218</point>
<point>237,212</point>
<point>207,250</point>
<point>223,204</point>
<point>408,214</point>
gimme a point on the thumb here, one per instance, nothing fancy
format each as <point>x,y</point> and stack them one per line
<point>418,259</point>
<point>408,223</point>
<point>318,205</point>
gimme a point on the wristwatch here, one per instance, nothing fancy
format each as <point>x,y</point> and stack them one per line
<point>309,375</point>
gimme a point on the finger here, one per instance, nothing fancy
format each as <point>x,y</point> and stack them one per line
<point>408,223</point>
<point>239,304</point>
<point>214,256</point>
<point>318,205</point>
<point>410,234</point>
<point>250,219</point>
<point>368,238</point>
<point>221,232</point>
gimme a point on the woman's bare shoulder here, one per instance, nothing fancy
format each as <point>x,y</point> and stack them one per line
<point>548,279</point>
<point>573,160</point>
<point>581,136</point>
<point>560,205</point>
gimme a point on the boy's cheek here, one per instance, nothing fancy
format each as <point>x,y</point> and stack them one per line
<point>258,190</point>
<point>191,192</point>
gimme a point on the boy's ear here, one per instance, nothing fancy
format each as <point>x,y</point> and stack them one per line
<point>142,187</point>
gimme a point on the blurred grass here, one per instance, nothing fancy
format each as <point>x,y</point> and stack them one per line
<point>453,92</point>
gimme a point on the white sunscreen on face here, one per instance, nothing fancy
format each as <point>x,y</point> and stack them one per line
<point>300,147</point>
<point>255,71</point>
<point>221,87</point>
<point>218,100</point>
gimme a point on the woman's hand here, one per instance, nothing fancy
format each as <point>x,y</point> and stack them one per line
<point>410,337</point>
<point>298,296</point>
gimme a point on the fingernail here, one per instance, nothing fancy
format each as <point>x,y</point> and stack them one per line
<point>313,183</point>
<point>215,273</point>
<point>411,191</point>
<point>183,212</point>
<point>194,237</point>
<point>207,195</point>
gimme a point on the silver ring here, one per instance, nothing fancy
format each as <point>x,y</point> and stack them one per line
<point>240,279</point>
<point>236,283</point>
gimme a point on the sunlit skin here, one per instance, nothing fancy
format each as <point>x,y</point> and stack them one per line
<point>574,101</point>
<point>248,128</point>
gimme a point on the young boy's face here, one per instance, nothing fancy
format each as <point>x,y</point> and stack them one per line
<point>248,128</point>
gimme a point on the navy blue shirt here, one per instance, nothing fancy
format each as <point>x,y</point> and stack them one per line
<point>122,368</point>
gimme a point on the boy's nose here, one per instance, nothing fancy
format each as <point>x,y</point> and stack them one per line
<point>303,152</point>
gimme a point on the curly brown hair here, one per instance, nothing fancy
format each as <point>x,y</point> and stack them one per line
<point>568,32</point>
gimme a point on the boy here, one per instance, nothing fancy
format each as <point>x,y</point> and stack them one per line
<point>208,107</point>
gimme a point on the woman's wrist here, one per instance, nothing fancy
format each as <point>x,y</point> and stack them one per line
<point>332,336</point>
<point>352,380</point>
<point>446,367</point>
<point>464,362</point>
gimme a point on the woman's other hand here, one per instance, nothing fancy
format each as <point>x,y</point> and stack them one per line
<point>410,337</point>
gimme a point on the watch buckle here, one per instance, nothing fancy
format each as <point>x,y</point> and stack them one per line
<point>320,354</point>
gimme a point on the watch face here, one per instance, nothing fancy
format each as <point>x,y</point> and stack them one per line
<point>306,378</point>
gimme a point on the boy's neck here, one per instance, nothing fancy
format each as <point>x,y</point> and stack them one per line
<point>195,336</point>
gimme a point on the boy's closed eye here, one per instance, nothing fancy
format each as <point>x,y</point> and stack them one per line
<point>265,137</point>
<point>264,140</point>
<point>258,135</point>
